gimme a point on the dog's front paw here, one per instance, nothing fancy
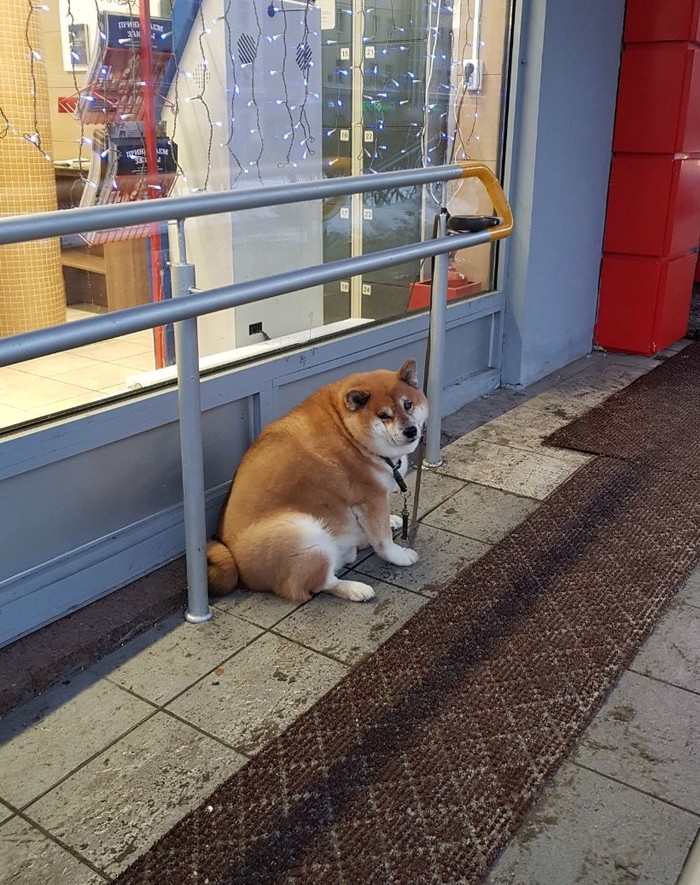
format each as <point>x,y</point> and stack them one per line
<point>355,591</point>
<point>399,555</point>
<point>396,522</point>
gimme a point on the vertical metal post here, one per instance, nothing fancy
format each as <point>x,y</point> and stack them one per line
<point>190,414</point>
<point>357,144</point>
<point>438,317</point>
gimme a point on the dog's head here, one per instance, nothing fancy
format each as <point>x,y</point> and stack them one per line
<point>385,411</point>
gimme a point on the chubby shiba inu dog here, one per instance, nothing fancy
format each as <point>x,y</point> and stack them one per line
<point>314,488</point>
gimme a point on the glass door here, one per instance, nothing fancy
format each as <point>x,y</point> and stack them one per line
<point>386,90</point>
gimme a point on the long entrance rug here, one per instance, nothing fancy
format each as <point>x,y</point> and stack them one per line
<point>422,762</point>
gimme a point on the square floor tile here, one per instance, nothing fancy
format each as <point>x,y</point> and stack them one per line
<point>83,313</point>
<point>144,337</point>
<point>481,411</point>
<point>31,858</point>
<point>112,351</point>
<point>114,390</point>
<point>577,395</point>
<point>116,806</point>
<point>647,735</point>
<point>12,378</point>
<point>84,398</point>
<point>529,474</point>
<point>672,652</point>
<point>504,401</point>
<point>516,431</point>
<point>482,513</point>
<point>434,489</point>
<point>589,829</point>
<point>55,364</point>
<point>609,376</point>
<point>443,555</point>
<point>139,362</point>
<point>168,658</point>
<point>46,738</point>
<point>524,427</point>
<point>632,360</point>
<point>350,631</point>
<point>264,609</point>
<point>99,376</point>
<point>9,415</point>
<point>258,693</point>
<point>677,346</point>
<point>32,392</point>
<point>690,591</point>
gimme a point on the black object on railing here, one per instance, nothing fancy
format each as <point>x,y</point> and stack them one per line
<point>468,224</point>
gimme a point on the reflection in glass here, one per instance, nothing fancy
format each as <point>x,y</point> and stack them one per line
<point>248,94</point>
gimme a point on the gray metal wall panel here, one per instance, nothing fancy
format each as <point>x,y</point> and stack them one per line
<point>468,349</point>
<point>561,147</point>
<point>90,523</point>
<point>292,390</point>
<point>72,501</point>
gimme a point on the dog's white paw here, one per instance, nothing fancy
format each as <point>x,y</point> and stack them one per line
<point>395,522</point>
<point>355,591</point>
<point>397,555</point>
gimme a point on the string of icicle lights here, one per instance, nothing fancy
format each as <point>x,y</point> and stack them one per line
<point>437,137</point>
<point>7,128</point>
<point>397,79</point>
<point>243,58</point>
<point>403,78</point>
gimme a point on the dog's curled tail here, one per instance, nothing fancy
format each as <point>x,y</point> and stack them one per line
<point>221,569</point>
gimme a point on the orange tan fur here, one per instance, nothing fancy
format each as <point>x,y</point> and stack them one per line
<point>314,488</point>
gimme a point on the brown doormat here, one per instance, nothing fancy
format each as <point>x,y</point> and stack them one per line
<point>656,420</point>
<point>422,762</point>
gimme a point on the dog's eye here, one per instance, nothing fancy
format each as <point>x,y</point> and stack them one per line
<point>408,405</point>
<point>385,416</point>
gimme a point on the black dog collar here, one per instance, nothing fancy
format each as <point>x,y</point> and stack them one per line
<point>395,469</point>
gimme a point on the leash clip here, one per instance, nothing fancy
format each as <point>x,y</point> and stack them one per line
<point>405,515</point>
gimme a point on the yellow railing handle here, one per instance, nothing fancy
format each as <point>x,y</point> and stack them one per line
<point>475,169</point>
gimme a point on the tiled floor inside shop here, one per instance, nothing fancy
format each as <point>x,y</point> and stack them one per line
<point>93,771</point>
<point>49,384</point>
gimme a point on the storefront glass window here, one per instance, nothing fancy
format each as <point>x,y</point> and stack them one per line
<point>246,93</point>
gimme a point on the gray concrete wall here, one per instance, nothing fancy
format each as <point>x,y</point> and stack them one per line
<point>567,71</point>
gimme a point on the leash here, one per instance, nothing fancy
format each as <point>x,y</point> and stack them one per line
<point>405,494</point>
<point>409,532</point>
<point>458,224</point>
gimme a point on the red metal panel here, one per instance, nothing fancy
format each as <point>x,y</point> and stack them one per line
<point>644,302</point>
<point>673,302</point>
<point>686,222</point>
<point>658,99</point>
<point>626,304</point>
<point>653,219</point>
<point>647,21</point>
<point>653,205</point>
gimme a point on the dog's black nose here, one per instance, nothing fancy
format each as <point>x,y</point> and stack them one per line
<point>410,432</point>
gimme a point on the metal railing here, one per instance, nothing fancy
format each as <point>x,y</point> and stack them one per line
<point>183,310</point>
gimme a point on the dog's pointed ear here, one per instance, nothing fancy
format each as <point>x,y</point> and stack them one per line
<point>356,398</point>
<point>407,373</point>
